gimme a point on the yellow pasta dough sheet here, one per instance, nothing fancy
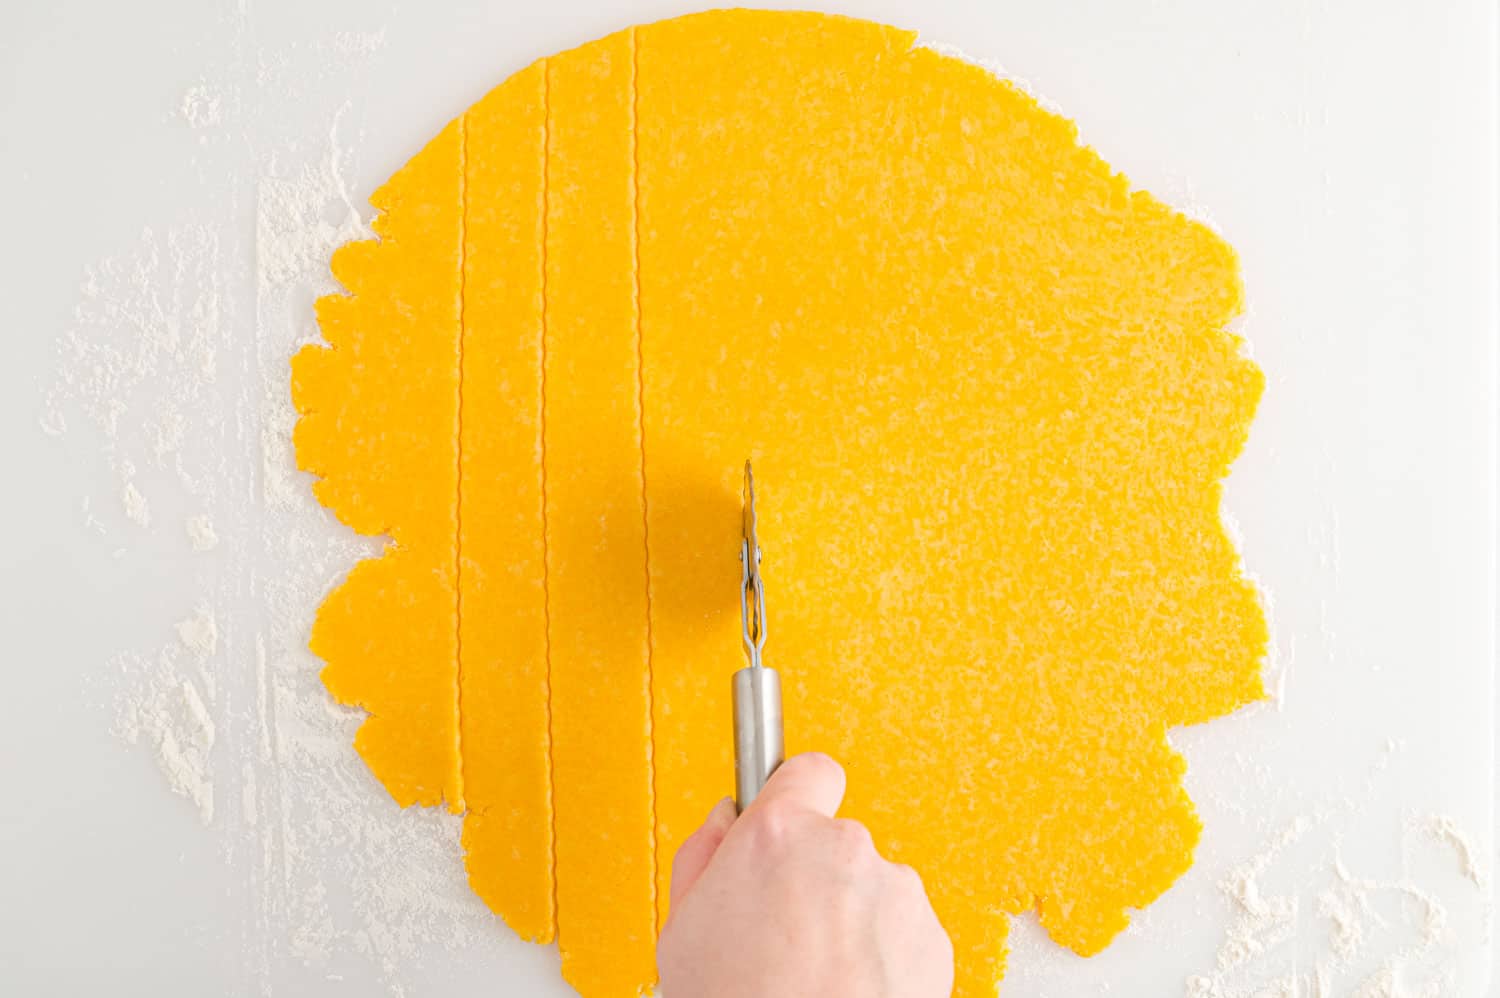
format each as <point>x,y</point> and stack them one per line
<point>991,395</point>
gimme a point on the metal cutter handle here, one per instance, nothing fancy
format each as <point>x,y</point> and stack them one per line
<point>758,747</point>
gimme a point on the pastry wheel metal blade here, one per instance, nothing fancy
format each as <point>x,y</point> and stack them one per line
<point>758,743</point>
<point>752,587</point>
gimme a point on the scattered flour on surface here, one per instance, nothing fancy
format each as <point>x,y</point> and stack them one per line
<point>135,379</point>
<point>135,504</point>
<point>1259,921</point>
<point>200,531</point>
<point>201,107</point>
<point>1346,930</point>
<point>199,633</point>
<point>1303,923</point>
<point>175,372</point>
<point>359,44</point>
<point>90,521</point>
<point>1443,828</point>
<point>138,365</point>
<point>167,711</point>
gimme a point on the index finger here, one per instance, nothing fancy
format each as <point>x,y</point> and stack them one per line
<point>811,780</point>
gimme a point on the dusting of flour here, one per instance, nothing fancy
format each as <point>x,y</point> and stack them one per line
<point>170,712</point>
<point>136,507</point>
<point>201,107</point>
<point>201,534</point>
<point>1304,922</point>
<point>199,633</point>
<point>173,374</point>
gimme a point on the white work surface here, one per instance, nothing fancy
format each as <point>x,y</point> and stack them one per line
<point>174,175</point>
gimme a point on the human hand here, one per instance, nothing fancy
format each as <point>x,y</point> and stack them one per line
<point>790,901</point>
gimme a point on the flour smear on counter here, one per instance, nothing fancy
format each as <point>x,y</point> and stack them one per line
<point>175,368</point>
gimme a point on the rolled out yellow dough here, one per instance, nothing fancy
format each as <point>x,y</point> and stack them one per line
<point>990,398</point>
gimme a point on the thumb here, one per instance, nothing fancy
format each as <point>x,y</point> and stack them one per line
<point>810,780</point>
<point>693,855</point>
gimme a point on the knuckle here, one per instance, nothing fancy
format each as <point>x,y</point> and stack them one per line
<point>854,836</point>
<point>770,824</point>
<point>908,879</point>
